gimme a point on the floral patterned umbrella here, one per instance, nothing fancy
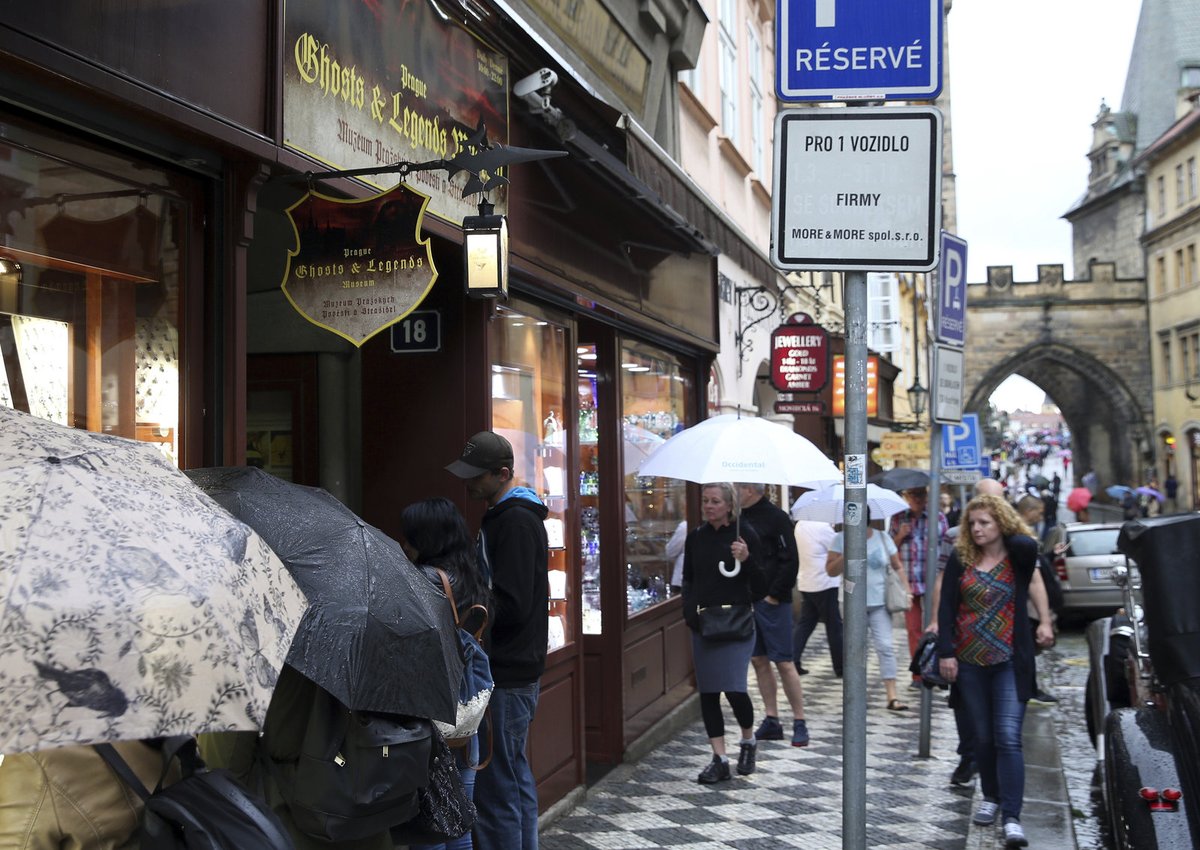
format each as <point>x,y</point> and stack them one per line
<point>131,604</point>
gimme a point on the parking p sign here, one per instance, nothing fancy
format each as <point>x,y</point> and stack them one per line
<point>962,447</point>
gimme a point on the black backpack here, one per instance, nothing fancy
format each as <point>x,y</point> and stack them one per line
<point>357,773</point>
<point>204,810</point>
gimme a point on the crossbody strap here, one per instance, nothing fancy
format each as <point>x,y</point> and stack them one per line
<point>121,767</point>
<point>449,593</point>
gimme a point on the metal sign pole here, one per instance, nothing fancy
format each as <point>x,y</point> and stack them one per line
<point>854,671</point>
<point>933,546</point>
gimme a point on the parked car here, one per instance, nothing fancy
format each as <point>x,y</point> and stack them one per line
<point>1085,568</point>
<point>1143,691</point>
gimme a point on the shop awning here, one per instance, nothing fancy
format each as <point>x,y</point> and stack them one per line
<point>652,166</point>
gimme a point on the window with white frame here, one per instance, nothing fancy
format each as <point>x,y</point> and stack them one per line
<point>691,78</point>
<point>727,40</point>
<point>754,66</point>
<point>883,313</point>
<point>1191,178</point>
<point>1160,193</point>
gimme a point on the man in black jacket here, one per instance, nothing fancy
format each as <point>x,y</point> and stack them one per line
<point>773,614</point>
<point>513,555</point>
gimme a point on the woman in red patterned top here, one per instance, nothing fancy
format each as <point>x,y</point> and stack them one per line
<point>986,647</point>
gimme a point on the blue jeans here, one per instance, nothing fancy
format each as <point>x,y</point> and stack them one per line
<point>879,622</point>
<point>989,697</point>
<point>465,758</point>
<point>815,607</point>
<point>505,791</point>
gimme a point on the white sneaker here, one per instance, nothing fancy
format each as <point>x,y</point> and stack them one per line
<point>985,815</point>
<point>1014,836</point>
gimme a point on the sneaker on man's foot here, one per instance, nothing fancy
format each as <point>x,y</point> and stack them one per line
<point>1043,696</point>
<point>746,758</point>
<point>964,773</point>
<point>799,733</point>
<point>769,730</point>
<point>1014,836</point>
<point>717,771</point>
<point>801,671</point>
<point>985,815</point>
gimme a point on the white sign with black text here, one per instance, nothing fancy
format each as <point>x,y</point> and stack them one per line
<point>948,385</point>
<point>857,189</point>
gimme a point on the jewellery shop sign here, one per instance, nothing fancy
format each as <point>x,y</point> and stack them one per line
<point>358,267</point>
<point>799,356</point>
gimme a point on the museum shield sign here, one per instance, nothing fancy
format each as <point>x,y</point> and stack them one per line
<point>358,266</point>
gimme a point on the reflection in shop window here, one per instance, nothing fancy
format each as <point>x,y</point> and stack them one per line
<point>656,400</point>
<point>90,260</point>
<point>529,368</point>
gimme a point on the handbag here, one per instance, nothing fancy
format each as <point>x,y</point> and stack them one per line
<point>726,622</point>
<point>925,662</point>
<point>896,597</point>
<point>445,812</point>
<point>475,687</point>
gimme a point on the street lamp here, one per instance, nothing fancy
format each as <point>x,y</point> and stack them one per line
<point>485,253</point>
<point>917,396</point>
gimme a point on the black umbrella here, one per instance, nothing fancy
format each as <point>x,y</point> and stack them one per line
<point>377,635</point>
<point>901,478</point>
<point>1039,481</point>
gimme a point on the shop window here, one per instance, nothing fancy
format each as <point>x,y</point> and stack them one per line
<point>529,398</point>
<point>656,400</point>
<point>92,246</point>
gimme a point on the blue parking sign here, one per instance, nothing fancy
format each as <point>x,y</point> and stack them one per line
<point>951,321</point>
<point>858,49</point>
<point>962,446</point>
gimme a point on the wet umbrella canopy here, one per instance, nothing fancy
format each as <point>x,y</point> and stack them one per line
<point>902,478</point>
<point>377,635</point>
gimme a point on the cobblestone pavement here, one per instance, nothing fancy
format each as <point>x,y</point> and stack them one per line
<point>794,798</point>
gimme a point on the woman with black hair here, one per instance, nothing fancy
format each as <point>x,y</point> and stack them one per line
<point>435,537</point>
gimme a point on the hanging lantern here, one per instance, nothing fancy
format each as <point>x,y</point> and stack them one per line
<point>485,253</point>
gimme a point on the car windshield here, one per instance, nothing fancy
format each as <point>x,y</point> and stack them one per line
<point>1097,541</point>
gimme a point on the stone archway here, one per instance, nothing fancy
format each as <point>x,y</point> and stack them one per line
<point>1109,427</point>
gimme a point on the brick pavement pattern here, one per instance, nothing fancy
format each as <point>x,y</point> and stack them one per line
<point>794,799</point>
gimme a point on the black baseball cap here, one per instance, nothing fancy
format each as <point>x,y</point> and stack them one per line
<point>484,452</point>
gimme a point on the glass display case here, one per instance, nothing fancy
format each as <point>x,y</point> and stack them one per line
<point>90,288</point>
<point>656,400</point>
<point>589,487</point>
<point>529,367</point>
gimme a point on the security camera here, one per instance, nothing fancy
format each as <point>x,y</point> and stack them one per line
<point>543,78</point>
<point>535,89</point>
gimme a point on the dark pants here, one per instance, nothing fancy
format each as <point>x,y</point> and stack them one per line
<point>505,791</point>
<point>990,697</point>
<point>821,606</point>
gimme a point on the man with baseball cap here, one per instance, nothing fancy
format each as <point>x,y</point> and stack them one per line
<point>513,555</point>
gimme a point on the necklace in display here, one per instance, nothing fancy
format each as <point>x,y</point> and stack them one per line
<point>729,572</point>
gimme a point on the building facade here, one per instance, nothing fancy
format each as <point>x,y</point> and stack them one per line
<point>155,175</point>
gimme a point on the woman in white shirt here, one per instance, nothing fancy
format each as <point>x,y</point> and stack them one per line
<point>881,556</point>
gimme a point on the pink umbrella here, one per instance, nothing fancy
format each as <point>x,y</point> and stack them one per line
<point>1078,499</point>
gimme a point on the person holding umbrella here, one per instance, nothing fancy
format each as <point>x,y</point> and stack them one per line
<point>881,557</point>
<point>513,554</point>
<point>720,569</point>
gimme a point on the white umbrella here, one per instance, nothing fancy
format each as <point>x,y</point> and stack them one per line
<point>131,604</point>
<point>639,444</point>
<point>736,448</point>
<point>827,504</point>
